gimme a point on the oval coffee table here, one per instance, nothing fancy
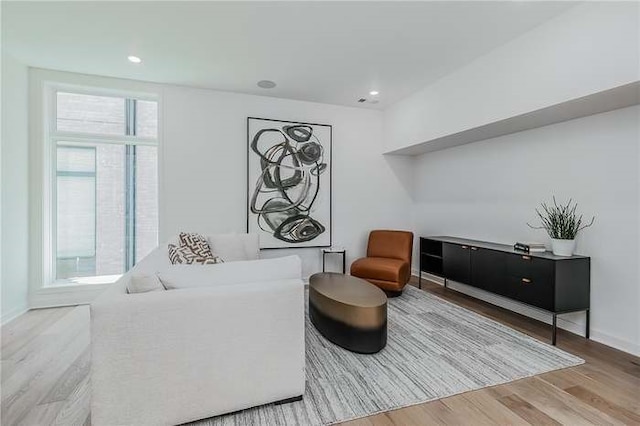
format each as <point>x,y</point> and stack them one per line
<point>348,311</point>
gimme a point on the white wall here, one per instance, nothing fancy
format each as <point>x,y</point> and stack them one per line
<point>202,170</point>
<point>590,48</point>
<point>204,151</point>
<point>488,191</point>
<point>15,214</point>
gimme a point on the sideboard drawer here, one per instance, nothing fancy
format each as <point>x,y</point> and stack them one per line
<point>531,291</point>
<point>456,262</point>
<point>532,268</point>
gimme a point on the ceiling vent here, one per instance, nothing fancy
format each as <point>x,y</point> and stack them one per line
<point>266,84</point>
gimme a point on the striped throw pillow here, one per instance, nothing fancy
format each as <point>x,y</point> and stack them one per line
<point>197,243</point>
<point>185,256</point>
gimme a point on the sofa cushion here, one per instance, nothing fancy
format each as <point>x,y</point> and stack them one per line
<point>380,268</point>
<point>143,283</point>
<point>241,272</point>
<point>184,255</point>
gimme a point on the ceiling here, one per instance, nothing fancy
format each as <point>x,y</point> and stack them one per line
<point>330,52</point>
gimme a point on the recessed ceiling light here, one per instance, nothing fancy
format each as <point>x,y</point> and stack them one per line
<point>266,84</point>
<point>374,93</point>
<point>134,59</point>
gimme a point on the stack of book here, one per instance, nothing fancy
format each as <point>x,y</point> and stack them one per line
<point>530,247</point>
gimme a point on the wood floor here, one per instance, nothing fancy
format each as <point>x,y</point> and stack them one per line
<point>45,378</point>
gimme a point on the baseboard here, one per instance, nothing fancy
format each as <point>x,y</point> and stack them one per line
<point>509,304</point>
<point>13,314</point>
<point>563,323</point>
<point>615,342</point>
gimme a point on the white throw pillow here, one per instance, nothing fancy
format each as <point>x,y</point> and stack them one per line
<point>153,262</point>
<point>251,246</point>
<point>241,272</point>
<point>143,283</point>
<point>229,247</point>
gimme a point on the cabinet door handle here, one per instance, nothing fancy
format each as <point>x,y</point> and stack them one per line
<point>526,281</point>
<point>465,247</point>
<point>526,257</point>
<point>474,248</point>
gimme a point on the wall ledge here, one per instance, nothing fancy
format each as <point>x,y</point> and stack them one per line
<point>607,100</point>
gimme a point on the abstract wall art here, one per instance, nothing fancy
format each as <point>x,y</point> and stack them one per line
<point>289,183</point>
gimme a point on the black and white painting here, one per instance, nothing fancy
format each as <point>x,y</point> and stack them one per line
<point>289,183</point>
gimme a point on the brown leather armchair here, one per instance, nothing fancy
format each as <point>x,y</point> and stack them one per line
<point>388,261</point>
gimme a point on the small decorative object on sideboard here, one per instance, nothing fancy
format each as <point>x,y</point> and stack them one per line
<point>562,223</point>
<point>530,247</point>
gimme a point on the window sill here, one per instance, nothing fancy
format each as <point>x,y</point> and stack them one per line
<point>97,280</point>
<point>65,294</point>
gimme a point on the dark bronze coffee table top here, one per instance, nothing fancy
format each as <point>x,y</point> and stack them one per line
<point>348,290</point>
<point>347,299</point>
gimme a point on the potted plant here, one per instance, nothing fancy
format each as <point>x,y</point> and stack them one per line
<point>562,223</point>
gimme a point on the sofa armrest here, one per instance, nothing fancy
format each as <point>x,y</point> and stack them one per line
<point>175,356</point>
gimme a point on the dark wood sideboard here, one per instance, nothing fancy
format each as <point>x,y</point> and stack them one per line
<point>554,284</point>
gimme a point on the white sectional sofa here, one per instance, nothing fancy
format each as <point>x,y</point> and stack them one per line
<point>232,340</point>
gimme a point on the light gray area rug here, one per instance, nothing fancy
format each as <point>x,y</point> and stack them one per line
<point>435,349</point>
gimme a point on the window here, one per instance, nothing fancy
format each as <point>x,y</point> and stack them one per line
<point>105,187</point>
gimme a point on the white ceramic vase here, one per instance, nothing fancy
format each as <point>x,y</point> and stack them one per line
<point>563,247</point>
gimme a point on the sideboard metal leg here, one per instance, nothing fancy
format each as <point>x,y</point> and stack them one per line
<point>586,329</point>
<point>553,332</point>
<point>445,283</point>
